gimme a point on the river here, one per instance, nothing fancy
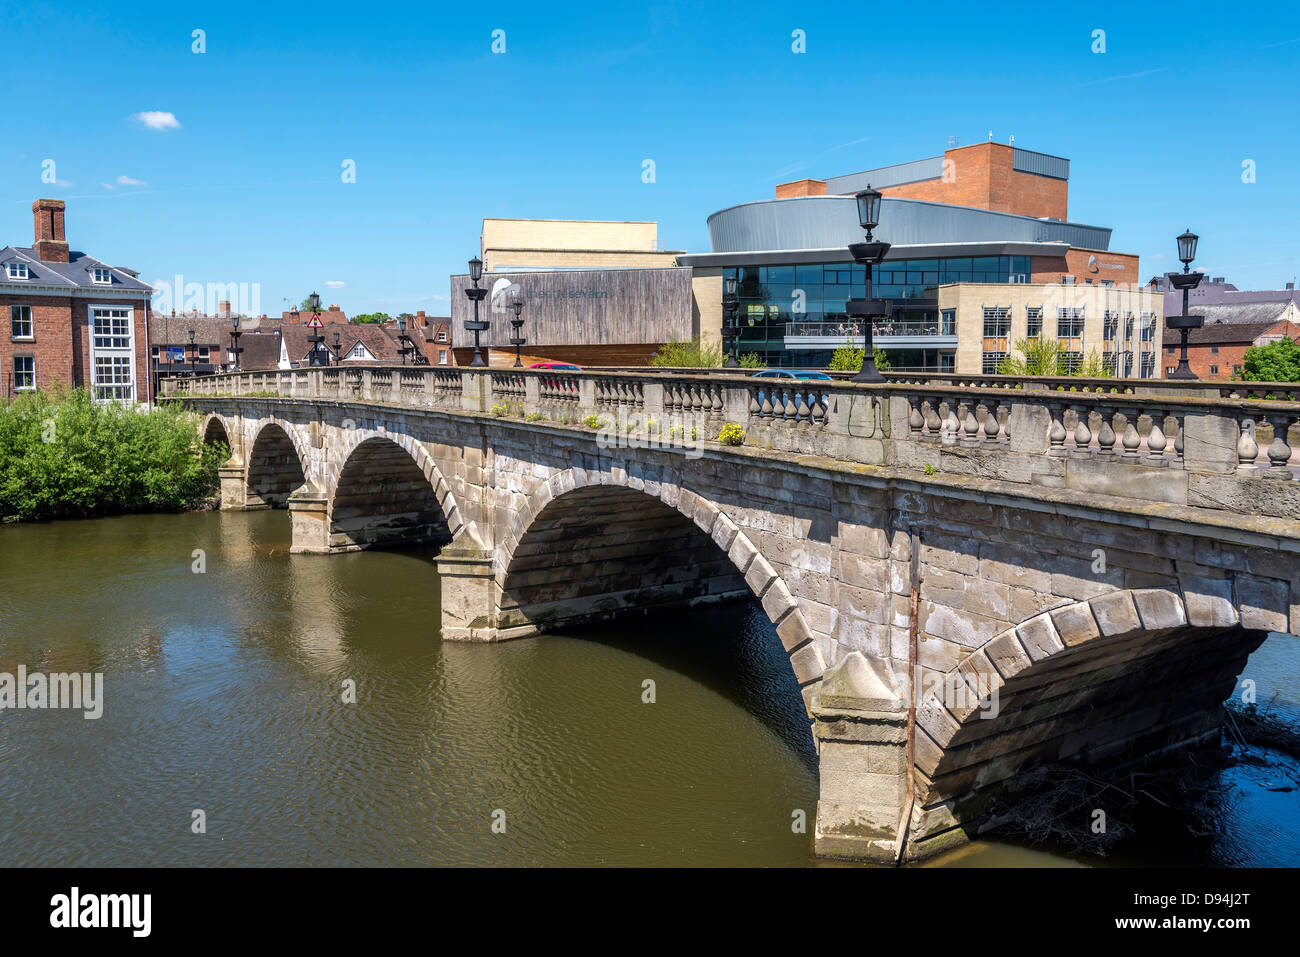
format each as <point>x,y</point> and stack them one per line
<point>226,662</point>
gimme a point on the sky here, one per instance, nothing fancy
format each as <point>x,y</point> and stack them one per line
<point>230,165</point>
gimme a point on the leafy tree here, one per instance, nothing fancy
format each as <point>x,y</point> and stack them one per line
<point>687,355</point>
<point>848,358</point>
<point>752,360</point>
<point>372,318</point>
<point>1038,356</point>
<point>1094,367</point>
<point>1276,362</point>
<point>64,455</point>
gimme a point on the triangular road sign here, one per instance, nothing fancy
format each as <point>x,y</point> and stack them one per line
<point>315,322</point>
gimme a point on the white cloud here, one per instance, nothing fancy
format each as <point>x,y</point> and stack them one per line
<point>61,182</point>
<point>333,284</point>
<point>438,298</point>
<point>125,180</point>
<point>108,186</point>
<point>157,120</point>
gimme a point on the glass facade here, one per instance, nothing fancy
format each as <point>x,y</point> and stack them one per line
<point>812,299</point>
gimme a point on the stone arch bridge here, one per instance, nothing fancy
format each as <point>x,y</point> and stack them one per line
<point>971,578</point>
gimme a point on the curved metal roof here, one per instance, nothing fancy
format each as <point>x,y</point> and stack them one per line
<point>821,222</point>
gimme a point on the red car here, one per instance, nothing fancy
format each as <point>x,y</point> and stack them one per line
<point>557,366</point>
<point>567,387</point>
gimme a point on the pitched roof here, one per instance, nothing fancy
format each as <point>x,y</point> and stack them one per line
<point>1219,333</point>
<point>74,274</point>
<point>168,330</point>
<point>378,342</point>
<point>261,351</point>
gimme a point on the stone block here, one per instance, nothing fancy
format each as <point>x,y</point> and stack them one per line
<point>1264,603</point>
<point>1209,602</point>
<point>1116,614</point>
<point>1039,637</point>
<point>1075,623</point>
<point>1159,608</point>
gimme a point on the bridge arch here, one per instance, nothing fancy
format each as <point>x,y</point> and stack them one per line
<point>213,429</point>
<point>277,465</point>
<point>634,542</point>
<point>386,489</point>
<point>1102,683</point>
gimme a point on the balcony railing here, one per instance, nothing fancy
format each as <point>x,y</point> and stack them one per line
<point>882,329</point>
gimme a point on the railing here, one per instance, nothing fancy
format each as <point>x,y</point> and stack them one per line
<point>883,329</point>
<point>1094,435</point>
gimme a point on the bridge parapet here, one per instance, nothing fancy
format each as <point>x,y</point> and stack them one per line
<point>1216,446</point>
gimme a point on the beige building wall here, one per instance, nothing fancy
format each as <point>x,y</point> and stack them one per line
<point>706,304</point>
<point>970,299</point>
<point>574,243</point>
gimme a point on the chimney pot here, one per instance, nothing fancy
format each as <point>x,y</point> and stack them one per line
<point>50,243</point>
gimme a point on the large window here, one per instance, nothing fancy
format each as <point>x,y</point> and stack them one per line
<point>1110,326</point>
<point>24,373</point>
<point>1069,323</point>
<point>20,322</point>
<point>112,352</point>
<point>17,270</point>
<point>992,362</point>
<point>1033,321</point>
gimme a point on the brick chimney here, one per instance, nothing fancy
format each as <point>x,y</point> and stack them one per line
<point>223,308</point>
<point>51,245</point>
<point>801,187</point>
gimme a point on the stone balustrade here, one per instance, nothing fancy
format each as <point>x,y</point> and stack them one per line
<point>1221,445</point>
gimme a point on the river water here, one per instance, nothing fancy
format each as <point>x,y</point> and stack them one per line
<point>224,694</point>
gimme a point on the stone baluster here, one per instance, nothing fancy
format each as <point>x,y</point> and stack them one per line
<point>1156,440</point>
<point>1106,434</point>
<point>930,412</point>
<point>969,425</point>
<point>951,427</point>
<point>767,410</point>
<point>754,407</point>
<point>818,410</point>
<point>803,414</point>
<point>1131,440</point>
<point>1279,452</point>
<point>991,424</point>
<point>915,421</point>
<point>791,412</point>
<point>1247,449</point>
<point>1178,436</point>
<point>1056,434</point>
<point>1004,419</point>
<point>1082,433</point>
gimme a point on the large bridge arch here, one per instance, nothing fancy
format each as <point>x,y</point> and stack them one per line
<point>384,490</point>
<point>633,543</point>
<point>1101,683</point>
<point>277,464</point>
<point>215,429</point>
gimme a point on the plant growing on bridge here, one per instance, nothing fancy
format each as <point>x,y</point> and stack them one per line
<point>732,434</point>
<point>500,409</point>
<point>930,469</point>
<point>63,455</point>
<point>534,417</point>
<point>594,421</point>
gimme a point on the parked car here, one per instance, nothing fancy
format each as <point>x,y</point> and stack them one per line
<point>783,374</point>
<point>556,366</point>
<point>567,386</point>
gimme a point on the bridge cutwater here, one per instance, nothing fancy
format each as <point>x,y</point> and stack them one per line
<point>973,577</point>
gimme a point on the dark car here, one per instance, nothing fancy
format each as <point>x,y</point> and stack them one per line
<point>556,366</point>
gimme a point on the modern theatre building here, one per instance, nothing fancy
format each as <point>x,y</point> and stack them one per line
<point>983,256</point>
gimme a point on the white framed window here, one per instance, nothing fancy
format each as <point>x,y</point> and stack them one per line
<point>442,357</point>
<point>204,353</point>
<point>101,275</point>
<point>442,335</point>
<point>17,270</point>
<point>358,352</point>
<point>20,322</point>
<point>24,373</point>
<point>112,343</point>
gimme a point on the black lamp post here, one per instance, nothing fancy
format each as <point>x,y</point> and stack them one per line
<point>868,254</point>
<point>193,371</point>
<point>235,349</point>
<point>730,304</point>
<point>517,304</point>
<point>404,339</point>
<point>319,355</point>
<point>338,350</point>
<point>476,296</point>
<point>1186,281</point>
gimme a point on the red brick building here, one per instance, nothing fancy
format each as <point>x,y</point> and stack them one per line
<point>71,318</point>
<point>1217,350</point>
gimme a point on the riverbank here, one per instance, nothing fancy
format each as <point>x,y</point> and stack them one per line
<point>63,455</point>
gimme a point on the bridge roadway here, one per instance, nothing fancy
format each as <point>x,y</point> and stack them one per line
<point>972,577</point>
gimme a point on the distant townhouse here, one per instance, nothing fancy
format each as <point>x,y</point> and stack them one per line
<point>72,319</point>
<point>346,343</point>
<point>173,350</point>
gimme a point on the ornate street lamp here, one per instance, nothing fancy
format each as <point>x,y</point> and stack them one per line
<point>730,304</point>
<point>193,370</point>
<point>1186,281</point>
<point>319,355</point>
<point>476,295</point>
<point>404,339</point>
<point>868,254</point>
<point>517,304</point>
<point>235,349</point>
<point>338,350</point>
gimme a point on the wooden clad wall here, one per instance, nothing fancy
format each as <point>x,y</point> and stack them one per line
<point>583,307</point>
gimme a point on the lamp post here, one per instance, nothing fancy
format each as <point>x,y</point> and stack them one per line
<point>403,339</point>
<point>476,295</point>
<point>338,350</point>
<point>190,348</point>
<point>517,304</point>
<point>235,349</point>
<point>319,355</point>
<point>1186,281</point>
<point>730,304</point>
<point>868,253</point>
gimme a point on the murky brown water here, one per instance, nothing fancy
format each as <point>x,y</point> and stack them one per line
<point>223,693</point>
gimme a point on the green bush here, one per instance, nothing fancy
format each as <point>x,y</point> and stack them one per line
<point>687,355</point>
<point>752,360</point>
<point>848,358</point>
<point>1278,361</point>
<point>64,456</point>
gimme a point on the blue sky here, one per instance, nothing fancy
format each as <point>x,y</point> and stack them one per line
<point>248,188</point>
